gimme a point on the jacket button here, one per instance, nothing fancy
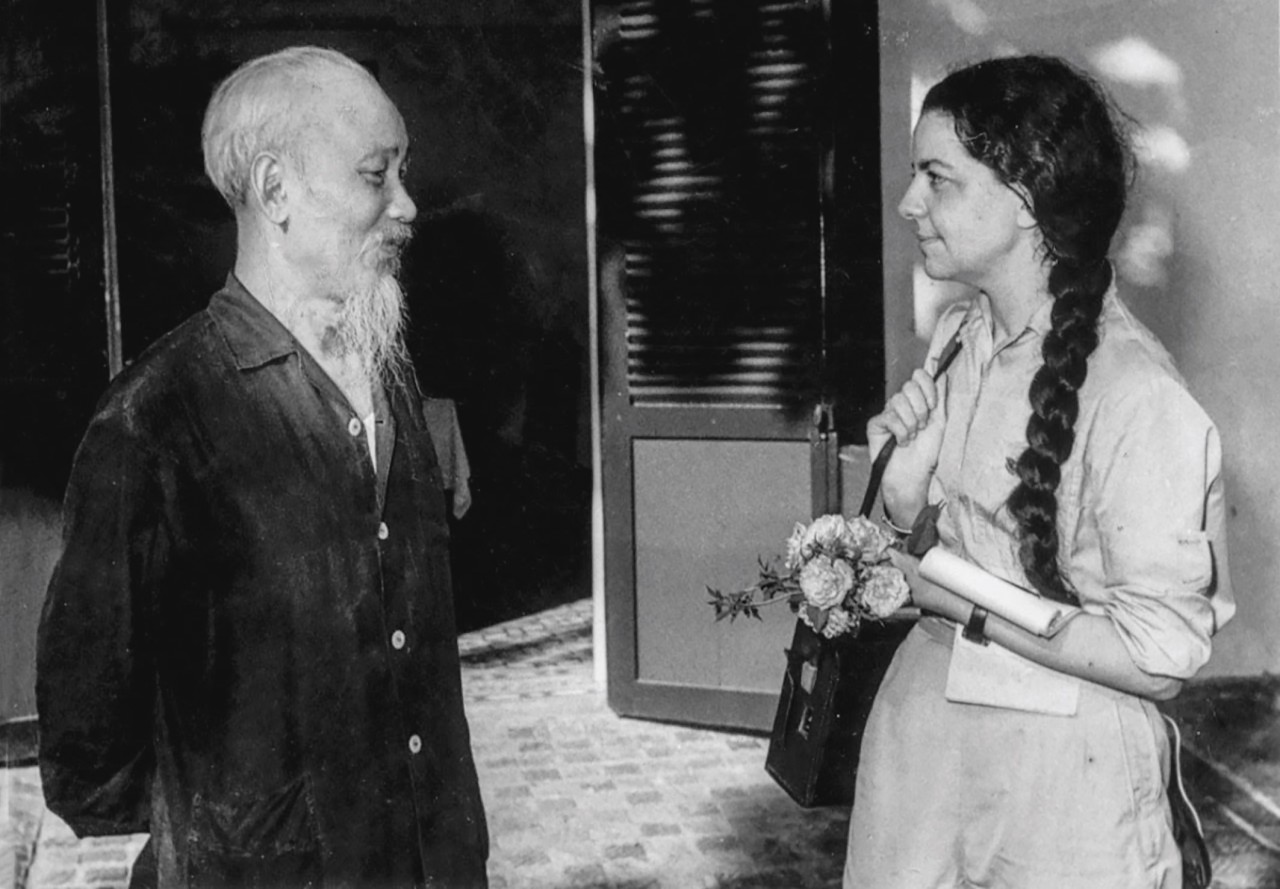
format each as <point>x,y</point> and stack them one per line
<point>397,640</point>
<point>353,426</point>
<point>415,744</point>
<point>383,531</point>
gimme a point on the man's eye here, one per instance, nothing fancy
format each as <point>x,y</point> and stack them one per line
<point>376,177</point>
<point>934,179</point>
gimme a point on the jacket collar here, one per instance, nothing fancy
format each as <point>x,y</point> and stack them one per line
<point>254,336</point>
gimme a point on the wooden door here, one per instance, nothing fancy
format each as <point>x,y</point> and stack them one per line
<point>726,352</point>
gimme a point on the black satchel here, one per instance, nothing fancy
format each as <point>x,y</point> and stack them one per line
<point>829,686</point>
<point>826,697</point>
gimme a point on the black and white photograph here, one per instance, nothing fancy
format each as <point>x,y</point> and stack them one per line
<point>639,444</point>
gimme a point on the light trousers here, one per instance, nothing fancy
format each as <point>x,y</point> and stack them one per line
<point>960,795</point>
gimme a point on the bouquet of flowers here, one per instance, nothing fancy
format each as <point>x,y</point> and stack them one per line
<point>836,574</point>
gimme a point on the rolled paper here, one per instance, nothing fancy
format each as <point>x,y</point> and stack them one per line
<point>1034,614</point>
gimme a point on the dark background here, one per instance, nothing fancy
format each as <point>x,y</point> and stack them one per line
<point>491,93</point>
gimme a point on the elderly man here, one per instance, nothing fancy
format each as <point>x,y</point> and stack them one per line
<point>248,647</point>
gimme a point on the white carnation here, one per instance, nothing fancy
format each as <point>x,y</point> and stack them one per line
<point>828,532</point>
<point>868,539</point>
<point>884,591</point>
<point>825,581</point>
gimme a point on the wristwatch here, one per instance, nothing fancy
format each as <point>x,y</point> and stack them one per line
<point>976,625</point>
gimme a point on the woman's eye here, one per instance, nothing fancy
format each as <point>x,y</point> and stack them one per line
<point>934,179</point>
<point>376,177</point>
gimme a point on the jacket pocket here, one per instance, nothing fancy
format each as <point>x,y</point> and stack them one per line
<point>256,841</point>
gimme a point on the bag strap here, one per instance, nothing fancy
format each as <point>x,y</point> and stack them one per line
<point>1188,832</point>
<point>1175,779</point>
<point>948,355</point>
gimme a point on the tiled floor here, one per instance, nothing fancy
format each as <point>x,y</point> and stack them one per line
<point>579,798</point>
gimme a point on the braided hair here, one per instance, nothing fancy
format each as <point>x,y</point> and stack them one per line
<point>1049,132</point>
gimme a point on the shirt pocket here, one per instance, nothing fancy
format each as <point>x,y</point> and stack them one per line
<point>1141,737</point>
<point>1194,560</point>
<point>256,841</point>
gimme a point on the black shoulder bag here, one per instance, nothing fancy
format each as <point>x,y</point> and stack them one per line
<point>830,684</point>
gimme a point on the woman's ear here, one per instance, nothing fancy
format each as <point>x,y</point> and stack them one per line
<point>266,182</point>
<point>1026,218</point>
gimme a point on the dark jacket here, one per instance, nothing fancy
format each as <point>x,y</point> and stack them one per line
<point>248,646</point>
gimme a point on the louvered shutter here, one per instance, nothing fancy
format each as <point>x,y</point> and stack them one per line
<point>40,242</point>
<point>710,110</point>
<point>52,341</point>
<point>735,170</point>
<point>51,317</point>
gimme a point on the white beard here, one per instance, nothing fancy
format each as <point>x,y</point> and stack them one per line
<point>370,326</point>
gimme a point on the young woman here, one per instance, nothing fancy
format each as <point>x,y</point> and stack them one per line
<point>1067,458</point>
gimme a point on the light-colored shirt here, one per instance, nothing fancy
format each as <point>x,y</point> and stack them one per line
<point>1140,504</point>
<point>371,438</point>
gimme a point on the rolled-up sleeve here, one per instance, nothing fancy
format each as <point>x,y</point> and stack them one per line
<point>94,678</point>
<point>1158,513</point>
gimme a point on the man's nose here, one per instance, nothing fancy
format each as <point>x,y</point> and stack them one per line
<point>402,208</point>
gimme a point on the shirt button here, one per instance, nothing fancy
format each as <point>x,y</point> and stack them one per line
<point>353,426</point>
<point>397,640</point>
<point>415,744</point>
<point>383,531</point>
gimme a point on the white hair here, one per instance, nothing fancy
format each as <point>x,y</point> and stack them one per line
<point>255,110</point>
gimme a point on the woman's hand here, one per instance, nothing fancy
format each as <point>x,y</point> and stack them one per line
<point>915,417</point>
<point>927,594</point>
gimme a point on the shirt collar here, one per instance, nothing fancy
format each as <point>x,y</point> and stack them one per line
<point>254,335</point>
<point>1041,320</point>
<point>980,323</point>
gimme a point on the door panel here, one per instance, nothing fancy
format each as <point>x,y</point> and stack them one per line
<point>704,512</point>
<point>728,327</point>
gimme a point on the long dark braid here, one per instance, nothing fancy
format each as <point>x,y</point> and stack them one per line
<point>1049,132</point>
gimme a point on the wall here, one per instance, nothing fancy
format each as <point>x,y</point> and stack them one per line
<point>1196,254</point>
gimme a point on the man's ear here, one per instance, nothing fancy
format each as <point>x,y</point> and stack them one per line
<point>266,181</point>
